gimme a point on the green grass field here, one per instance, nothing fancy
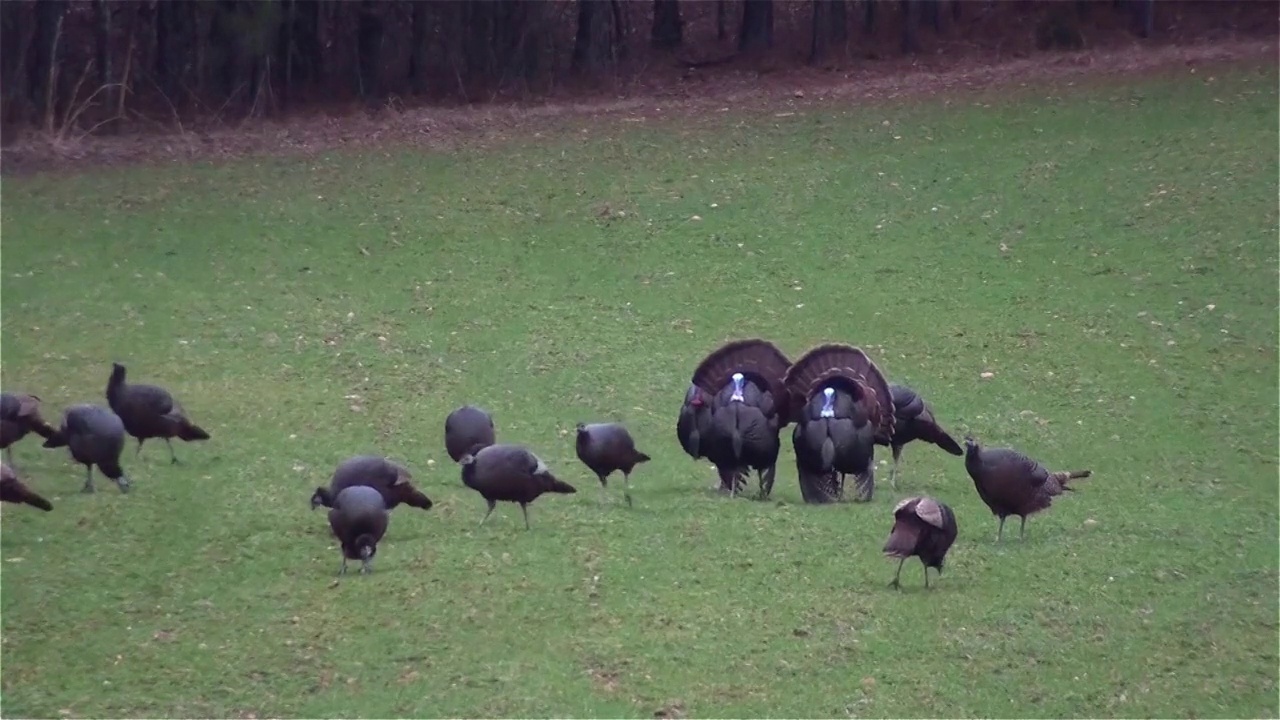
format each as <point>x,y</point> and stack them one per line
<point>1109,253</point>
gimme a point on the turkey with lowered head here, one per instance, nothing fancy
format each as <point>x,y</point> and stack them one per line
<point>19,415</point>
<point>841,407</point>
<point>745,380</point>
<point>914,421</point>
<point>923,528</point>
<point>509,473</point>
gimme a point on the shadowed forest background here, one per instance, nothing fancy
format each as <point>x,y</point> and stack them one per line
<point>100,67</point>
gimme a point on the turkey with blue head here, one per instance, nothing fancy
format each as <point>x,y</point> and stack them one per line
<point>745,383</point>
<point>842,407</point>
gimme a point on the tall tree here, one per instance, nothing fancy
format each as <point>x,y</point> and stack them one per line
<point>668,28</point>
<point>830,27</point>
<point>102,57</point>
<point>594,44</point>
<point>369,33</point>
<point>756,31</point>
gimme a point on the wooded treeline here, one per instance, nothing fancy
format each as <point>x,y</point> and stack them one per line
<point>94,64</point>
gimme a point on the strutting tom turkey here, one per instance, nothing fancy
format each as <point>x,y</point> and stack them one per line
<point>842,407</point>
<point>746,383</point>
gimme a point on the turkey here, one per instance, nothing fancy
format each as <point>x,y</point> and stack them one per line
<point>148,411</point>
<point>842,406</point>
<point>745,380</point>
<point>1011,483</point>
<point>95,436</point>
<point>390,479</point>
<point>694,423</point>
<point>606,447</point>
<point>923,528</point>
<point>358,519</point>
<point>466,428</point>
<point>14,490</point>
<point>914,421</point>
<point>509,473</point>
<point>20,415</point>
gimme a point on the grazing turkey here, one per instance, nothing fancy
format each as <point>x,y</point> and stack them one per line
<point>14,490</point>
<point>509,473</point>
<point>841,406</point>
<point>20,415</point>
<point>465,428</point>
<point>923,528</point>
<point>1011,483</point>
<point>149,411</point>
<point>914,421</point>
<point>390,479</point>
<point>359,519</point>
<point>95,436</point>
<point>606,447</point>
<point>745,380</point>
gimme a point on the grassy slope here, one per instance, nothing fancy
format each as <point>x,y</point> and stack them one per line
<point>493,279</point>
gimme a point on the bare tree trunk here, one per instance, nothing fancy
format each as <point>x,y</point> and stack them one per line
<point>829,27</point>
<point>418,49</point>
<point>668,28</point>
<point>17,28</point>
<point>756,32</point>
<point>369,48</point>
<point>43,70</point>
<point>594,43</point>
<point>910,44</point>
<point>722,20</point>
<point>102,56</point>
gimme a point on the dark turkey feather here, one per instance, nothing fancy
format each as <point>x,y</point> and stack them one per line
<point>509,473</point>
<point>759,360</point>
<point>19,416</point>
<point>606,448</point>
<point>359,519</point>
<point>923,528</point>
<point>95,436</point>
<point>1011,483</point>
<point>914,420</point>
<point>746,383</point>
<point>13,490</point>
<point>392,480</point>
<point>466,430</point>
<point>150,411</point>
<point>839,400</point>
<point>694,421</point>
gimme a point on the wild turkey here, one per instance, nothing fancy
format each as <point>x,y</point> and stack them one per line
<point>923,528</point>
<point>745,380</point>
<point>606,447</point>
<point>1011,483</point>
<point>509,473</point>
<point>14,490</point>
<point>358,520</point>
<point>465,429</point>
<point>391,480</point>
<point>694,424</point>
<point>914,421</point>
<point>842,406</point>
<point>20,415</point>
<point>95,436</point>
<point>149,411</point>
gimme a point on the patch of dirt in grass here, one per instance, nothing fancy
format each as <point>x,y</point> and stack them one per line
<point>740,90</point>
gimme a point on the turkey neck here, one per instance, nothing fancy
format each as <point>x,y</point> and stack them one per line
<point>115,386</point>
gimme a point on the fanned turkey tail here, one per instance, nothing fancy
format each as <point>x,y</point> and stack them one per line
<point>837,363</point>
<point>752,357</point>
